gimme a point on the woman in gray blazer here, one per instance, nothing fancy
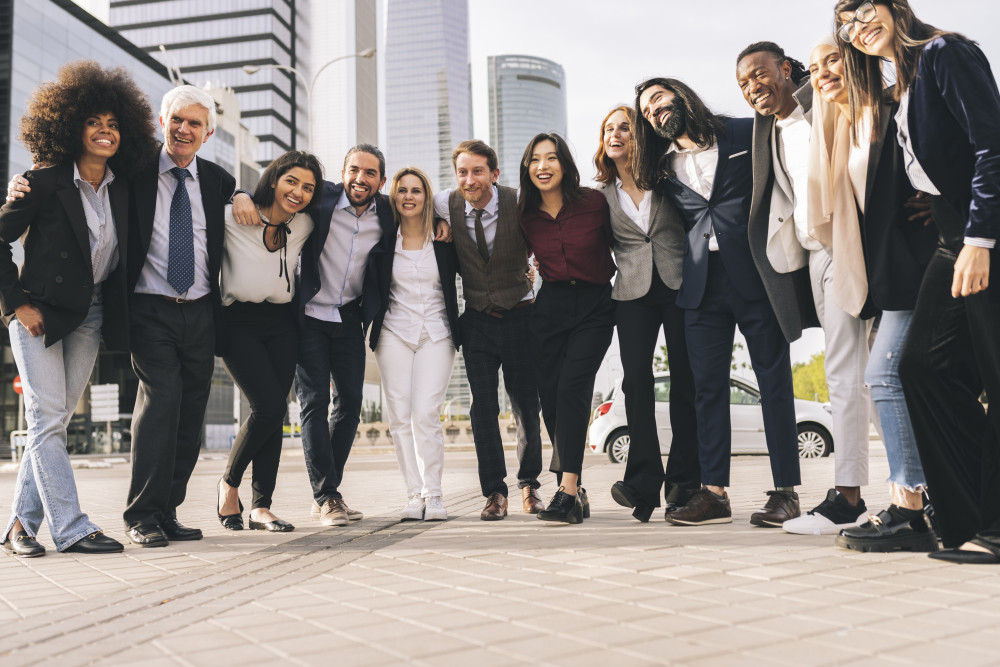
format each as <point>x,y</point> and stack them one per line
<point>649,250</point>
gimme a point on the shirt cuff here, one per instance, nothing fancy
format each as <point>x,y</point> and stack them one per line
<point>980,242</point>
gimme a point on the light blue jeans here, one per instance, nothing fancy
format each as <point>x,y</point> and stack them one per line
<point>882,377</point>
<point>53,379</point>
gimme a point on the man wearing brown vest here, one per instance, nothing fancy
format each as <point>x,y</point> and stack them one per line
<point>498,302</point>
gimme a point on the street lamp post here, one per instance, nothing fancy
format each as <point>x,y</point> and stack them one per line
<point>309,85</point>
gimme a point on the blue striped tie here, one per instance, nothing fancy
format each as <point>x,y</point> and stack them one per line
<point>180,261</point>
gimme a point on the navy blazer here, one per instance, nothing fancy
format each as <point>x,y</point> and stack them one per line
<point>447,263</point>
<point>309,281</point>
<point>56,276</point>
<point>953,116</point>
<point>726,211</point>
<point>217,187</point>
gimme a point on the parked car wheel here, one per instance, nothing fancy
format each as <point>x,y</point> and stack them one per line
<point>618,443</point>
<point>814,441</point>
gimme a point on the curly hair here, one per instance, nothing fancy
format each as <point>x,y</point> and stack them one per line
<point>52,126</point>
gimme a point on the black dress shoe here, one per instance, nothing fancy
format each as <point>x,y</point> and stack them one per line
<point>276,526</point>
<point>585,501</point>
<point>174,530</point>
<point>564,508</point>
<point>96,543</point>
<point>230,521</point>
<point>626,496</point>
<point>147,536</point>
<point>23,545</point>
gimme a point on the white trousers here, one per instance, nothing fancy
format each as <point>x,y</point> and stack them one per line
<point>848,341</point>
<point>414,380</point>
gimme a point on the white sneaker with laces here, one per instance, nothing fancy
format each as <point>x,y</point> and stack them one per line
<point>414,510</point>
<point>435,510</point>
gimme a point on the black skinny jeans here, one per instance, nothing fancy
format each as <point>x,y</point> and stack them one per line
<point>262,345</point>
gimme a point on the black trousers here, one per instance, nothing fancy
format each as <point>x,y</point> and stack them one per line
<point>330,352</point>
<point>572,329</point>
<point>710,332</point>
<point>488,343</point>
<point>639,323</point>
<point>173,354</point>
<point>952,353</point>
<point>262,344</point>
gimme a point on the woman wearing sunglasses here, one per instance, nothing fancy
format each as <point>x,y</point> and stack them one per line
<point>947,128</point>
<point>261,335</point>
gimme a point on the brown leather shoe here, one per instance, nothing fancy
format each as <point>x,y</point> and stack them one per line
<point>530,501</point>
<point>702,509</point>
<point>496,508</point>
<point>780,507</point>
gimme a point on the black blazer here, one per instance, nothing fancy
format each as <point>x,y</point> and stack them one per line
<point>381,268</point>
<point>56,276</point>
<point>309,280</point>
<point>217,188</point>
<point>897,250</point>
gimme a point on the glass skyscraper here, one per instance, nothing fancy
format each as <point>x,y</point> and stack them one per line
<point>428,88</point>
<point>527,96</point>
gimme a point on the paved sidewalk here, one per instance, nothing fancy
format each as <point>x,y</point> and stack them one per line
<point>380,592</point>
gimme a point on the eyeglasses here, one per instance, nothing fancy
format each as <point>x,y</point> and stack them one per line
<point>849,30</point>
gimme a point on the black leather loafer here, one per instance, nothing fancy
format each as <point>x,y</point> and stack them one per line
<point>96,543</point>
<point>175,530</point>
<point>889,530</point>
<point>626,496</point>
<point>24,546</point>
<point>276,526</point>
<point>147,536</point>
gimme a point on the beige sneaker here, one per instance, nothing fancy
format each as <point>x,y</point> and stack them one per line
<point>353,515</point>
<point>333,513</point>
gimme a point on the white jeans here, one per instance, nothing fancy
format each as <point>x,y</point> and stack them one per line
<point>847,348</point>
<point>415,379</point>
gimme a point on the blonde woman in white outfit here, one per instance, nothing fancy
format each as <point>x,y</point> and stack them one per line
<point>414,335</point>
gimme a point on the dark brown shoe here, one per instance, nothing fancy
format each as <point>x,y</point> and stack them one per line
<point>780,507</point>
<point>704,508</point>
<point>496,508</point>
<point>530,501</point>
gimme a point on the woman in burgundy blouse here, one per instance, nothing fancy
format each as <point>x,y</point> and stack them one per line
<point>568,228</point>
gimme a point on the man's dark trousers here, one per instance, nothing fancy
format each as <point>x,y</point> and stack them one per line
<point>490,341</point>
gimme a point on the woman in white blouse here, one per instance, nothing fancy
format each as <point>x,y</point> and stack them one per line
<point>261,334</point>
<point>414,336</point>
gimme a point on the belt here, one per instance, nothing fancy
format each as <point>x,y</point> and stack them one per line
<point>498,312</point>
<point>174,299</point>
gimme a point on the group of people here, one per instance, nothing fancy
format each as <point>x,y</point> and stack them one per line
<point>840,204</point>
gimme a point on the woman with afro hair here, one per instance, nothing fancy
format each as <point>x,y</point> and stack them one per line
<point>91,127</point>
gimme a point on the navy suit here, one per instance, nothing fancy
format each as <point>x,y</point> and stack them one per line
<point>721,290</point>
<point>333,351</point>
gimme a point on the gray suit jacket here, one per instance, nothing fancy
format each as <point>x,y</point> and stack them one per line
<point>790,294</point>
<point>636,252</point>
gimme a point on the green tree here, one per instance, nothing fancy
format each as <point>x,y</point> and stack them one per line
<point>809,379</point>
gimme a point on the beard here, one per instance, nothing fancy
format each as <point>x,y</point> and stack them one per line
<point>675,126</point>
<point>359,201</point>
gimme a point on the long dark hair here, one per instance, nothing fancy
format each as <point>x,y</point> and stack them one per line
<point>263,195</point>
<point>531,198</point>
<point>607,170</point>
<point>865,77</point>
<point>702,126</point>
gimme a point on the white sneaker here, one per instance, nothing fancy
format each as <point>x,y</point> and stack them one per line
<point>435,510</point>
<point>829,517</point>
<point>414,510</point>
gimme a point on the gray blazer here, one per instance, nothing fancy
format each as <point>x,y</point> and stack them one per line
<point>790,294</point>
<point>637,252</point>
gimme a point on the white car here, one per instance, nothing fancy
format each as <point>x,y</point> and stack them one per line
<point>609,428</point>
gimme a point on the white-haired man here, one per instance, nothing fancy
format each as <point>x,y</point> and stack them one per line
<point>175,249</point>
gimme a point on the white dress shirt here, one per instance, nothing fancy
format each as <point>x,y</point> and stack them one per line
<point>639,215</point>
<point>695,168</point>
<point>250,272</point>
<point>344,258</point>
<point>153,278</point>
<point>792,144</point>
<point>416,298</point>
<point>101,226</point>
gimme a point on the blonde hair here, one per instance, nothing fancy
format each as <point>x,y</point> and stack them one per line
<point>428,212</point>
